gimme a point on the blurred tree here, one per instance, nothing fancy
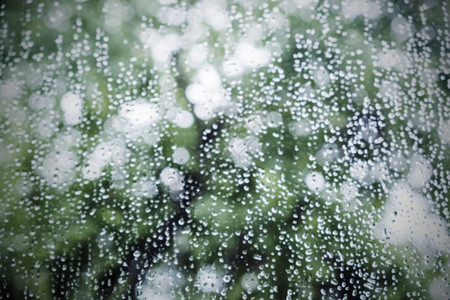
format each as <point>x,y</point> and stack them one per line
<point>294,149</point>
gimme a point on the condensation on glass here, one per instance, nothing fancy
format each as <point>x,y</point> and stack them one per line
<point>242,149</point>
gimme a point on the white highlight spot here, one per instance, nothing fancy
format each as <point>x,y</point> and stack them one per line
<point>215,16</point>
<point>197,56</point>
<point>172,16</point>
<point>208,77</point>
<point>183,119</point>
<point>207,93</point>
<point>421,171</point>
<point>367,8</point>
<point>232,67</point>
<point>252,57</point>
<point>146,188</point>
<point>249,281</point>
<point>41,102</point>
<point>242,150</point>
<point>58,168</point>
<point>103,154</point>
<point>180,156</point>
<point>393,58</point>
<point>321,77</point>
<point>359,170</point>
<point>161,47</point>
<point>315,181</point>
<point>444,132</point>
<point>408,218</point>
<point>209,280</point>
<point>72,106</point>
<point>172,179</point>
<point>9,90</point>
<point>401,29</point>
<point>299,128</point>
<point>274,119</point>
<point>140,113</point>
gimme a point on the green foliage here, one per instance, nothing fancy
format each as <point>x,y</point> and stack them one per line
<point>137,164</point>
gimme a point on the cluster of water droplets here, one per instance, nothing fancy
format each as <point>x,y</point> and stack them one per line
<point>294,149</point>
